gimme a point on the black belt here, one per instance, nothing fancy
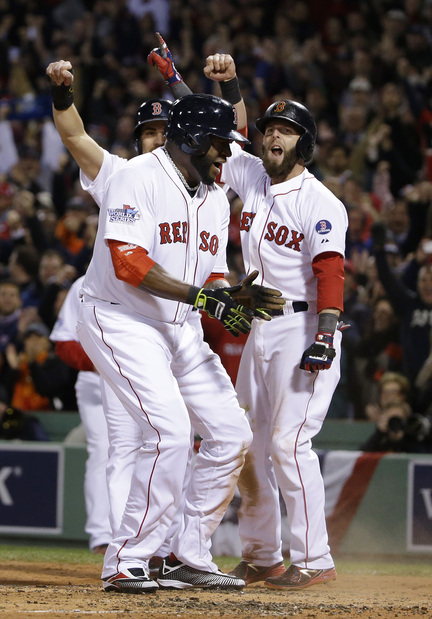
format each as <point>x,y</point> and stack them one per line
<point>298,306</point>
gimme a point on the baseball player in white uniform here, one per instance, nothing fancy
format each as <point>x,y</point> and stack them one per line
<point>96,165</point>
<point>88,393</point>
<point>293,231</point>
<point>162,234</point>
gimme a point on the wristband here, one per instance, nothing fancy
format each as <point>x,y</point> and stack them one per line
<point>327,322</point>
<point>62,96</point>
<point>324,338</point>
<point>192,295</point>
<point>231,90</point>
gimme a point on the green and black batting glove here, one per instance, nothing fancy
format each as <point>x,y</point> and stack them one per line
<point>218,304</point>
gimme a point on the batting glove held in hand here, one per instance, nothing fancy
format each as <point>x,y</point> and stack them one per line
<point>255,297</point>
<point>218,304</point>
<point>162,58</point>
<point>320,354</point>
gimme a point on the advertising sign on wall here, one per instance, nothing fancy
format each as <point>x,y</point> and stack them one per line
<point>419,521</point>
<point>31,488</point>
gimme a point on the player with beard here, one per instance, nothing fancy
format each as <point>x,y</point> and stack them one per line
<point>293,231</point>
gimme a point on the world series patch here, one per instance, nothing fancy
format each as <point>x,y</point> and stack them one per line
<point>323,226</point>
<point>125,215</point>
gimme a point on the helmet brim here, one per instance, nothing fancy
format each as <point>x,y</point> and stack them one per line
<point>261,123</point>
<point>238,137</point>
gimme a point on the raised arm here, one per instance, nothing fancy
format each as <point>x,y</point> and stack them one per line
<point>86,152</point>
<point>161,58</point>
<point>221,68</point>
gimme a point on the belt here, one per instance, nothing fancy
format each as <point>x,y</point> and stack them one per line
<point>290,307</point>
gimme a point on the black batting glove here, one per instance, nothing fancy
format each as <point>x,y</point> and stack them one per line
<point>219,304</point>
<point>320,354</point>
<point>255,297</point>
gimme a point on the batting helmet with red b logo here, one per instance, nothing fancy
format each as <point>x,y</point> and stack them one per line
<point>298,115</point>
<point>153,109</point>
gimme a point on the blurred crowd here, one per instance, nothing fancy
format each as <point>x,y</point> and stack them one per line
<point>362,68</point>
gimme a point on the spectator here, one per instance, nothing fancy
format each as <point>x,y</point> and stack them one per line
<point>356,312</point>
<point>392,387</point>
<point>16,425</point>
<point>414,309</point>
<point>54,276</point>
<point>23,270</point>
<point>10,309</point>
<point>378,351</point>
<point>8,150</point>
<point>36,378</point>
<point>25,173</point>
<point>396,431</point>
<point>70,227</point>
<point>392,137</point>
<point>7,191</point>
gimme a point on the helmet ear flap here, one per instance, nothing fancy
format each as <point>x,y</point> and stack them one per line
<point>305,146</point>
<point>196,146</point>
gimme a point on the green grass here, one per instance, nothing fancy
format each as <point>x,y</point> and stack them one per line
<point>388,566</point>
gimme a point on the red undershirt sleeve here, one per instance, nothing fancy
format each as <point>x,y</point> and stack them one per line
<point>329,271</point>
<point>72,353</point>
<point>131,262</point>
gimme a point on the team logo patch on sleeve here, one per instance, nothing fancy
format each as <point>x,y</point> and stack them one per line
<point>323,226</point>
<point>126,215</point>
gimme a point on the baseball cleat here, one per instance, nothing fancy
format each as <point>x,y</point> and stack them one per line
<point>132,580</point>
<point>178,575</point>
<point>251,573</point>
<point>300,577</point>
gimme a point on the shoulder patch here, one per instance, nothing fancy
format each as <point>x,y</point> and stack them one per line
<point>323,226</point>
<point>126,215</point>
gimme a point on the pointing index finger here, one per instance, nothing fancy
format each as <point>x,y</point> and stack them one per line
<point>162,44</point>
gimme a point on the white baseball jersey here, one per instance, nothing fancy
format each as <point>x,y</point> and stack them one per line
<point>186,235</point>
<point>284,227</point>
<point>96,188</point>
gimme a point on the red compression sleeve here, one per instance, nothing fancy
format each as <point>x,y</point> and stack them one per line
<point>72,353</point>
<point>329,270</point>
<point>131,262</point>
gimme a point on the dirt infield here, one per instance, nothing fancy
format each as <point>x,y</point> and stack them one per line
<point>58,591</point>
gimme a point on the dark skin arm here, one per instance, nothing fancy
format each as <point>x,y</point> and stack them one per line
<point>161,283</point>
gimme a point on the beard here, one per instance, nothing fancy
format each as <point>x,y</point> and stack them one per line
<point>280,169</point>
<point>202,165</point>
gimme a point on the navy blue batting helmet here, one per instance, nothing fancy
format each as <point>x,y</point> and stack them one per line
<point>299,116</point>
<point>195,118</point>
<point>153,109</point>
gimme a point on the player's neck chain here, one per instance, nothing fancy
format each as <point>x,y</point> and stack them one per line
<point>182,178</point>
